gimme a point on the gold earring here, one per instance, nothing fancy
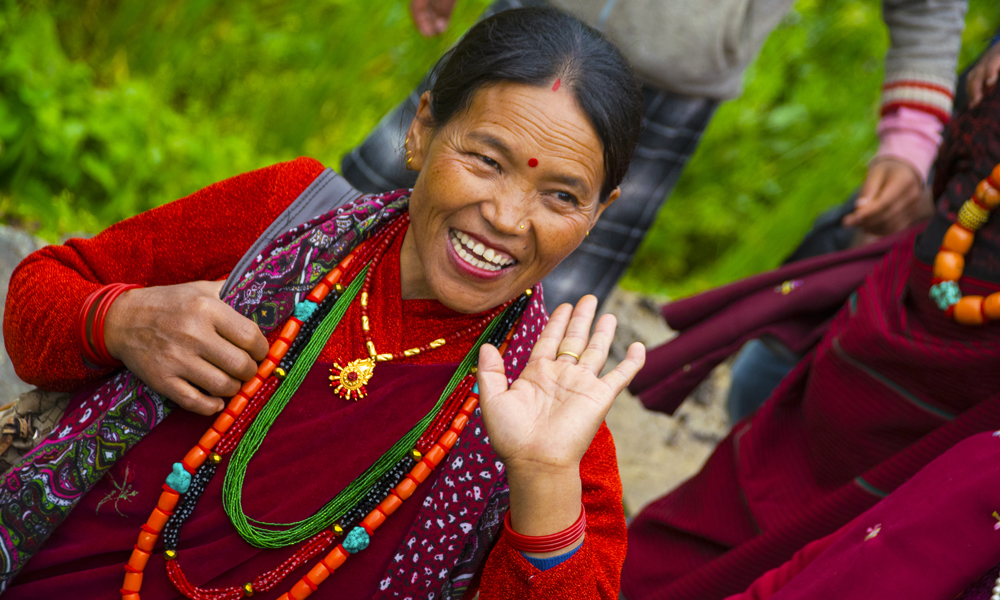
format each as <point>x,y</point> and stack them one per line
<point>588,232</point>
<point>406,144</point>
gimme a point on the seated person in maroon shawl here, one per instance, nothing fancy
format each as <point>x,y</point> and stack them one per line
<point>902,371</point>
<point>354,423</point>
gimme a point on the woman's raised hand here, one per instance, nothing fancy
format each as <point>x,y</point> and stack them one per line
<point>544,422</point>
<point>185,343</point>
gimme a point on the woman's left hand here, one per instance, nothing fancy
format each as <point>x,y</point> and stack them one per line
<point>544,422</point>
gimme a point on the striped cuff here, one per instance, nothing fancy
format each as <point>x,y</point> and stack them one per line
<point>918,91</point>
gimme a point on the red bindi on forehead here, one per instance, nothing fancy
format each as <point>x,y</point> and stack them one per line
<point>555,86</point>
<point>532,162</point>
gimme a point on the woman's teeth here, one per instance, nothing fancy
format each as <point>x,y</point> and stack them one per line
<point>477,254</point>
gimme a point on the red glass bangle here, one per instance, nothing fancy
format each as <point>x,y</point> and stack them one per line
<point>97,353</point>
<point>545,543</point>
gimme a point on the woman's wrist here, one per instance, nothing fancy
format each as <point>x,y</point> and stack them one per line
<point>545,501</point>
<point>93,322</point>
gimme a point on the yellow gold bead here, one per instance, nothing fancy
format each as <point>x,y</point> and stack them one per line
<point>384,357</point>
<point>411,352</point>
<point>338,530</point>
<point>371,348</point>
<point>527,292</point>
<point>279,373</point>
<point>338,287</point>
<point>437,343</point>
<point>170,554</point>
<point>364,322</point>
<point>215,457</point>
<point>364,298</point>
<point>415,454</point>
<point>972,216</point>
<point>248,589</point>
<point>473,370</point>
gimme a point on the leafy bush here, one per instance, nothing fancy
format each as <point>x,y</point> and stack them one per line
<point>110,107</point>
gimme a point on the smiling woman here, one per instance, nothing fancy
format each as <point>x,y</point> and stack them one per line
<point>394,385</point>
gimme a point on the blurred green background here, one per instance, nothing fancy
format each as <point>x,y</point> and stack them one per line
<point>108,108</point>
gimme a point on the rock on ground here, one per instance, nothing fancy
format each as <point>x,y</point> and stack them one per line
<point>14,246</point>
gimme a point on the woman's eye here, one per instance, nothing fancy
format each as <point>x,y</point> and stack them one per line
<point>567,197</point>
<point>489,161</point>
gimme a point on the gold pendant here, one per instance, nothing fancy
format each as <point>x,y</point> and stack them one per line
<point>352,378</point>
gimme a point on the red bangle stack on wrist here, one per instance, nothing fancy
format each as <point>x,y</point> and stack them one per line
<point>545,543</point>
<point>97,354</point>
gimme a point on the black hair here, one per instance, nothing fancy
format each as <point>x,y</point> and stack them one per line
<point>536,46</point>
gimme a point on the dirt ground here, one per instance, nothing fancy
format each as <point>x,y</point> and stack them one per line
<point>656,452</point>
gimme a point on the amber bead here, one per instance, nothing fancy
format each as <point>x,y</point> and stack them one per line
<point>210,439</point>
<point>250,388</point>
<point>146,541</point>
<point>265,368</point>
<point>168,500</point>
<point>319,292</point>
<point>420,472</point>
<point>459,423</point>
<point>284,596</point>
<point>130,596</point>
<point>290,330</point>
<point>987,195</point>
<point>434,455</point>
<point>335,558</point>
<point>333,277</point>
<point>469,406</point>
<point>448,439</point>
<point>194,458</point>
<point>223,422</point>
<point>958,239</point>
<point>157,519</point>
<point>948,265</point>
<point>405,488</point>
<point>318,574</point>
<point>138,559</point>
<point>995,175</point>
<point>133,582</point>
<point>277,350</point>
<point>991,306</point>
<point>390,504</point>
<point>238,403</point>
<point>969,310</point>
<point>373,520</point>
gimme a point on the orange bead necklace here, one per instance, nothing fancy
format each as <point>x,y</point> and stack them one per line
<point>950,260</point>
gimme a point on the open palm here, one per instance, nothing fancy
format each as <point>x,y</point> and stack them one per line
<point>548,417</point>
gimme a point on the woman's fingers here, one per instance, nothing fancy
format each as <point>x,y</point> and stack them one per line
<point>548,342</point>
<point>490,373</point>
<point>189,398</point>
<point>619,377</point>
<point>596,354</point>
<point>574,342</point>
<point>210,378</point>
<point>241,332</point>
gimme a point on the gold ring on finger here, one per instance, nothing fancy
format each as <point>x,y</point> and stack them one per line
<point>568,353</point>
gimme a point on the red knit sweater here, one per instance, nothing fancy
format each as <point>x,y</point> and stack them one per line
<point>201,237</point>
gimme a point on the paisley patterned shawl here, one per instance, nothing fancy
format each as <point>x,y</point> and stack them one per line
<point>454,529</point>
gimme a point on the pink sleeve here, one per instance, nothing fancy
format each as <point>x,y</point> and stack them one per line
<point>910,135</point>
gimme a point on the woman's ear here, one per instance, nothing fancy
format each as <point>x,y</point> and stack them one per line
<point>420,134</point>
<point>600,207</point>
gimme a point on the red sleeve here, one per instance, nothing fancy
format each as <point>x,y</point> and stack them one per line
<point>200,237</point>
<point>594,571</point>
<point>770,583</point>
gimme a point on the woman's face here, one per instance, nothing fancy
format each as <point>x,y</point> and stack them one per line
<point>506,190</point>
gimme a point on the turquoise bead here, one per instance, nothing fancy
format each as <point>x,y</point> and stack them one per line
<point>179,480</point>
<point>305,309</point>
<point>946,294</point>
<point>356,541</point>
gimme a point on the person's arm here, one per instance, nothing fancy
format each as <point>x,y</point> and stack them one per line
<point>200,237</point>
<point>917,96</point>
<point>984,75</point>
<point>594,569</point>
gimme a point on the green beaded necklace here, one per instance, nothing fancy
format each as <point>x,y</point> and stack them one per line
<point>277,535</point>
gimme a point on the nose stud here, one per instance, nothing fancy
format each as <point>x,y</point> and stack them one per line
<point>522,225</point>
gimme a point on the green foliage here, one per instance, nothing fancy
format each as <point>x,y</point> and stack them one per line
<point>796,142</point>
<point>111,107</point>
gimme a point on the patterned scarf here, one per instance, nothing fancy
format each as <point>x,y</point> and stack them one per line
<point>455,527</point>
